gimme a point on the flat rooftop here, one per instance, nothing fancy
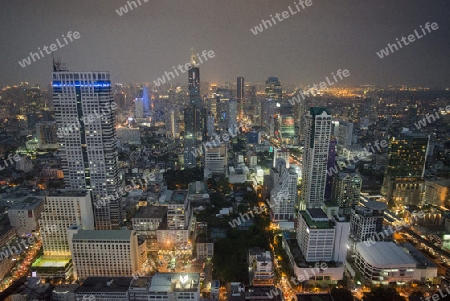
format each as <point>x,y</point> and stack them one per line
<point>105,285</point>
<point>70,193</point>
<point>51,262</point>
<point>317,213</point>
<point>27,203</point>
<point>141,282</point>
<point>179,196</point>
<point>315,224</point>
<point>103,235</point>
<point>151,212</point>
<point>198,187</point>
<point>169,282</point>
<point>385,254</point>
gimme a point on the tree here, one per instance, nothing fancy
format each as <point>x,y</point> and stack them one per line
<point>382,293</point>
<point>341,294</point>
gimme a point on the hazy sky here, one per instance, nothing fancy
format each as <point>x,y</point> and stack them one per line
<point>305,48</point>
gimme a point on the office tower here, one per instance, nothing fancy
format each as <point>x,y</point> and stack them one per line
<point>283,196</point>
<point>171,124</point>
<point>345,133</point>
<point>105,252</point>
<point>330,164</point>
<point>89,150</point>
<point>346,190</point>
<point>240,97</point>
<point>232,115</point>
<point>63,209</point>
<point>145,101</point>
<point>139,108</point>
<point>211,126</point>
<point>46,134</point>
<point>194,80</point>
<point>216,160</point>
<point>322,239</point>
<point>300,108</point>
<point>287,128</point>
<point>367,221</point>
<point>315,157</point>
<point>280,154</point>
<point>194,115</point>
<point>273,90</point>
<point>403,181</point>
<point>268,108</point>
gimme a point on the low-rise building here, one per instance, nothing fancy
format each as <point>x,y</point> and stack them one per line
<point>384,262</point>
<point>104,289</point>
<point>205,248</point>
<point>24,214</point>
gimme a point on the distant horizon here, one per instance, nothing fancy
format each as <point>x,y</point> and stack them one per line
<point>305,45</point>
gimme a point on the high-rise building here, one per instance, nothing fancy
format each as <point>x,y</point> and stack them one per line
<point>346,190</point>
<point>283,197</point>
<point>403,181</point>
<point>216,159</point>
<point>281,155</point>
<point>105,253</point>
<point>63,209</point>
<point>317,140</point>
<point>240,97</point>
<point>139,108</point>
<point>321,238</point>
<point>232,115</point>
<point>194,114</point>
<point>89,150</point>
<point>273,89</point>
<point>366,222</point>
<point>330,163</point>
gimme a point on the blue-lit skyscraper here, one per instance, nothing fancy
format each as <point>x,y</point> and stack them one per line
<point>88,149</point>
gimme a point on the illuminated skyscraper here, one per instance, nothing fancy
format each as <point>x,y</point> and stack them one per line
<point>194,115</point>
<point>89,149</point>
<point>240,97</point>
<point>315,157</point>
<point>403,181</point>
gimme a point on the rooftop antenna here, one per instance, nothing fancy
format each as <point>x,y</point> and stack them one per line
<point>58,65</point>
<point>194,59</point>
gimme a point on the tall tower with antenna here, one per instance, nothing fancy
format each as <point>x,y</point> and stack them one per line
<point>194,114</point>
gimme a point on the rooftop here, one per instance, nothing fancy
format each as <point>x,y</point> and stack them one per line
<point>178,197</point>
<point>103,235</point>
<point>316,224</point>
<point>383,253</point>
<point>151,212</point>
<point>141,282</point>
<point>167,282</point>
<point>61,193</point>
<point>105,284</point>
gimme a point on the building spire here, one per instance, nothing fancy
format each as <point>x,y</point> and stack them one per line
<point>194,59</point>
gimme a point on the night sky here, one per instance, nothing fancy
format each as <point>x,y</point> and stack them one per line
<point>303,49</point>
